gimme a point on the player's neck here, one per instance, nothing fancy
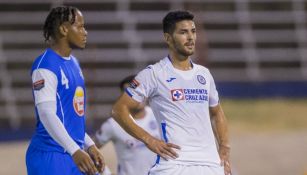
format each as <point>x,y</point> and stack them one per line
<point>180,62</point>
<point>61,48</point>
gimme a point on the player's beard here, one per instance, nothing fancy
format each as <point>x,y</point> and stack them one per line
<point>180,49</point>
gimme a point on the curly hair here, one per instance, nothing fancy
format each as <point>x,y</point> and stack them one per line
<point>56,17</point>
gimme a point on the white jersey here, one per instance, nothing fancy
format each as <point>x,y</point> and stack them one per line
<point>180,101</point>
<point>133,157</point>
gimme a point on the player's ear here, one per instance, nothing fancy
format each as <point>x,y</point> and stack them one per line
<point>167,38</point>
<point>63,30</point>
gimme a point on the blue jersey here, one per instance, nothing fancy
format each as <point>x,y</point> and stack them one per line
<point>70,100</point>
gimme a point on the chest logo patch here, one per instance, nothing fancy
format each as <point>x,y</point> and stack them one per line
<point>177,94</point>
<point>78,101</point>
<point>201,79</point>
<point>190,95</point>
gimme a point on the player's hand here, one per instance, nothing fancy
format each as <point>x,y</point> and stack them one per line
<point>84,162</point>
<point>227,168</point>
<point>165,150</point>
<point>97,157</point>
<point>224,155</point>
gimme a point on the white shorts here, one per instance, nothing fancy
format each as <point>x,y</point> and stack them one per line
<point>175,169</point>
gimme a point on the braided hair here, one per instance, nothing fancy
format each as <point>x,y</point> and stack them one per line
<point>57,17</point>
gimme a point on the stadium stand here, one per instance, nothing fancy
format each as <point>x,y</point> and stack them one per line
<point>250,42</point>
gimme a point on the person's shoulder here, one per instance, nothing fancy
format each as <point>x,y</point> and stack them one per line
<point>162,63</point>
<point>47,59</point>
<point>74,59</point>
<point>202,68</point>
<point>108,125</point>
<point>152,71</point>
<point>146,71</point>
<point>39,58</point>
<point>41,61</point>
<point>110,121</point>
<point>158,66</point>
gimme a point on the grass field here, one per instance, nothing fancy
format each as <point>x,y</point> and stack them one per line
<point>268,137</point>
<point>266,114</point>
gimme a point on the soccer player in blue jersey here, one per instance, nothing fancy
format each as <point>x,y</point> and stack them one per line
<point>60,145</point>
<point>185,102</point>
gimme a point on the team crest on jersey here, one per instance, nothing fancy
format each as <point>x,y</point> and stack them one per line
<point>38,85</point>
<point>201,79</point>
<point>78,101</point>
<point>134,84</point>
<point>177,94</point>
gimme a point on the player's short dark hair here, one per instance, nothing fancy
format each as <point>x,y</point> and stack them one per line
<point>56,17</point>
<point>125,81</point>
<point>170,20</point>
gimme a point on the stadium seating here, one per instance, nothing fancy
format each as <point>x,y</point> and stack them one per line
<point>248,41</point>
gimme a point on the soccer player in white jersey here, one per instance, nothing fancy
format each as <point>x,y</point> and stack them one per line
<point>133,157</point>
<point>185,101</point>
<point>60,144</point>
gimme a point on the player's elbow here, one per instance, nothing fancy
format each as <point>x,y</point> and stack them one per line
<point>118,110</point>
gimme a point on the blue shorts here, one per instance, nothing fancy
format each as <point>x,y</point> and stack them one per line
<point>41,162</point>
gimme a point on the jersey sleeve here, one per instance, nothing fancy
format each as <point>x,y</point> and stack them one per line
<point>105,133</point>
<point>143,86</point>
<point>88,142</point>
<point>44,85</point>
<point>213,94</point>
<point>54,126</point>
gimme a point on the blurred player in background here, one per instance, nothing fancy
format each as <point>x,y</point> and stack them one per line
<point>133,157</point>
<point>60,144</point>
<point>185,101</point>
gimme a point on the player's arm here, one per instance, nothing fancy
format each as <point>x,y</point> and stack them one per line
<point>121,114</point>
<point>44,85</point>
<point>55,128</point>
<point>221,130</point>
<point>219,126</point>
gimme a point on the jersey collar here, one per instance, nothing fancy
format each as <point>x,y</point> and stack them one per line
<point>170,62</point>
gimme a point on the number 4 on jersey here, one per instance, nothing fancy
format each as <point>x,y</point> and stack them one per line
<point>65,81</point>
